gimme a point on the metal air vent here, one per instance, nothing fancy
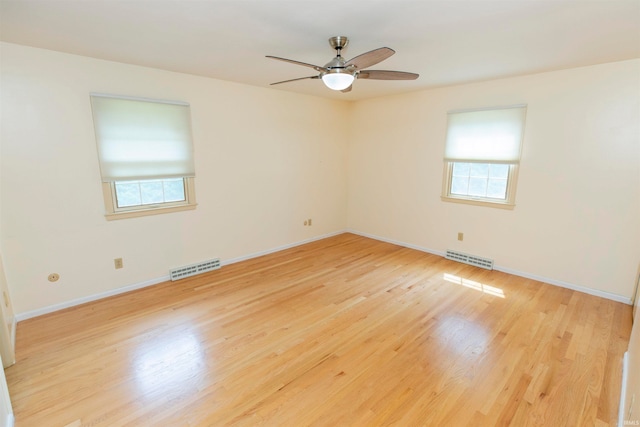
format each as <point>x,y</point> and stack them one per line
<point>470,259</point>
<point>193,269</point>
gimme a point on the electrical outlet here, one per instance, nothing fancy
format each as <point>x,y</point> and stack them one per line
<point>306,223</point>
<point>309,221</point>
<point>118,263</point>
<point>53,277</point>
<point>461,236</point>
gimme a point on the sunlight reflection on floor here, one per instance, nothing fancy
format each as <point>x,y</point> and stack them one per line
<point>169,363</point>
<point>491,290</point>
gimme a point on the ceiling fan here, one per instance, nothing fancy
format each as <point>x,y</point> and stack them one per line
<point>339,74</point>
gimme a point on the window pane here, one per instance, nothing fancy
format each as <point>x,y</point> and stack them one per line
<point>460,185</point>
<point>151,192</point>
<point>174,190</point>
<point>478,187</point>
<point>480,180</point>
<point>469,179</point>
<point>127,194</point>
<point>497,189</point>
<point>461,169</point>
<point>479,169</point>
<point>499,171</point>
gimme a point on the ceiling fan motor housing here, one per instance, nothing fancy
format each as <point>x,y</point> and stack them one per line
<point>337,62</point>
<point>338,42</point>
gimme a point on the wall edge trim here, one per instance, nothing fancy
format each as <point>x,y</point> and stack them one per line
<point>567,285</point>
<point>623,388</point>
<point>78,301</point>
<point>279,248</point>
<point>128,288</point>
<point>89,298</point>
<point>547,280</point>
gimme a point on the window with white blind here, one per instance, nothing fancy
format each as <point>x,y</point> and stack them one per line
<point>482,155</point>
<point>145,151</point>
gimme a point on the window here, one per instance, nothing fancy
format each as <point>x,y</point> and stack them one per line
<point>482,155</point>
<point>149,192</point>
<point>146,155</point>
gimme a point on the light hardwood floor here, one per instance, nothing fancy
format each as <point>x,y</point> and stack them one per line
<point>345,331</point>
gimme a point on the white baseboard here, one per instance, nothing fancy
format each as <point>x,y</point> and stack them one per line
<point>397,242</point>
<point>279,248</point>
<point>560,283</point>
<point>583,289</point>
<point>50,309</point>
<point>623,389</point>
<point>56,307</point>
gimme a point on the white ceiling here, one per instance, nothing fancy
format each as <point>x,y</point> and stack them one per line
<point>446,42</point>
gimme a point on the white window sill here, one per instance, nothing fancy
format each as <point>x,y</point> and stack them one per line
<point>477,202</point>
<point>149,211</point>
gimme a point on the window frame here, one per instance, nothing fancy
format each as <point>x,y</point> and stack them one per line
<point>456,156</point>
<point>114,212</point>
<point>185,171</point>
<point>507,203</point>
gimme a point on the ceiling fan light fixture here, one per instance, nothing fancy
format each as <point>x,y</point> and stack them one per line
<point>338,79</point>
<point>339,74</point>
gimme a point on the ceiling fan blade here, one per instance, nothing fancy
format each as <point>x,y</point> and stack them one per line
<point>304,64</point>
<point>371,58</point>
<point>387,75</point>
<point>347,89</point>
<point>293,80</point>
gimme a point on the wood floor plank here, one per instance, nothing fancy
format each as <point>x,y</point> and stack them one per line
<point>343,331</point>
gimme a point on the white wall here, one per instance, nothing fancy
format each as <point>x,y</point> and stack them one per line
<point>577,214</point>
<point>265,161</point>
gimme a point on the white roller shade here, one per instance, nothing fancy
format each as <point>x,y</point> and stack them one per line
<point>485,135</point>
<point>142,139</point>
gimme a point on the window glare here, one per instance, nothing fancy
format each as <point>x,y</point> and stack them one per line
<point>499,171</point>
<point>482,180</point>
<point>128,194</point>
<point>173,190</point>
<point>149,192</point>
<point>497,188</point>
<point>479,169</point>
<point>477,187</point>
<point>460,185</point>
<point>461,169</point>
